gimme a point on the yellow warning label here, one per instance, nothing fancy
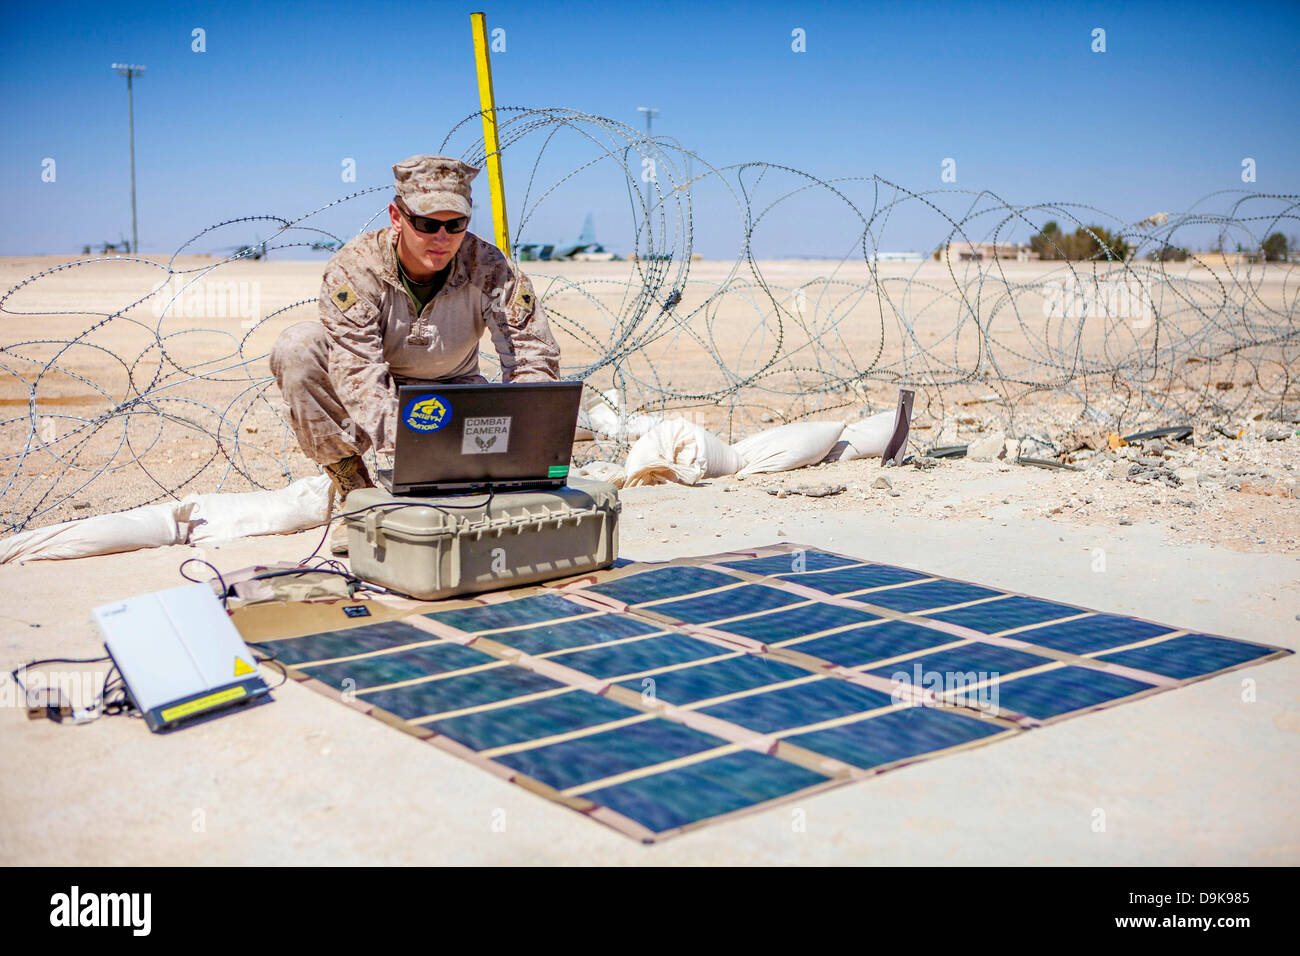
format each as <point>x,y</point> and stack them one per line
<point>203,703</point>
<point>241,667</point>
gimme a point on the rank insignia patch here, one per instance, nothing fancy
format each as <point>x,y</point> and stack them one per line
<point>524,298</point>
<point>344,297</point>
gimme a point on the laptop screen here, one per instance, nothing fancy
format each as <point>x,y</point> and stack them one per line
<point>460,437</point>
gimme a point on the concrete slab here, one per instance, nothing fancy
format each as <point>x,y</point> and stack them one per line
<point>1200,775</point>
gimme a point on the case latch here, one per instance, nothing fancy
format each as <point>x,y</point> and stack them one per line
<point>372,523</point>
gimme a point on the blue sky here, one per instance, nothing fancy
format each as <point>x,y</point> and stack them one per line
<point>260,122</point>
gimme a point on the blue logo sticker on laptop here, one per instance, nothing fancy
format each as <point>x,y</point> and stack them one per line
<point>427,413</point>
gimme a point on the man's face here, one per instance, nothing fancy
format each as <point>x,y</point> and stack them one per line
<point>424,253</point>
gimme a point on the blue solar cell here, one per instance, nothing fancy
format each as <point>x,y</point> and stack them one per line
<point>985,660</point>
<point>895,736</point>
<point>578,633</point>
<point>532,720</point>
<point>611,752</point>
<point>1189,656</point>
<point>799,706</point>
<point>855,579</point>
<point>1094,633</point>
<point>1061,691</point>
<point>354,640</point>
<point>794,561</point>
<point>1003,615</point>
<point>874,643</point>
<point>453,693</point>
<point>747,599</point>
<point>529,610</point>
<point>662,583</point>
<point>399,665</point>
<point>709,788</point>
<point>643,655</point>
<point>704,681</point>
<point>797,621</point>
<point>928,595</point>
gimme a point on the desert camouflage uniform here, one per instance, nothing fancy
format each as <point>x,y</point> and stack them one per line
<point>339,376</point>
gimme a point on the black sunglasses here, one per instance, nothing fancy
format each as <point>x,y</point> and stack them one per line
<point>431,226</point>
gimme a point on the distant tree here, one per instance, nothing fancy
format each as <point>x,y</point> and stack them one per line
<point>1168,253</point>
<point>1275,248</point>
<point>1047,244</point>
<point>1093,242</point>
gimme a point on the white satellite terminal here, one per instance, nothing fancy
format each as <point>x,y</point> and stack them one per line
<point>179,654</point>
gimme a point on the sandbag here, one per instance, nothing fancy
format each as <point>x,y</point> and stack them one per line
<point>602,420</point>
<point>864,439</point>
<point>220,517</point>
<point>151,526</point>
<point>609,419</point>
<point>787,446</point>
<point>680,451</point>
<point>601,471</point>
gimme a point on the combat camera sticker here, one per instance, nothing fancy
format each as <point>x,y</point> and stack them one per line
<point>485,436</point>
<point>427,413</point>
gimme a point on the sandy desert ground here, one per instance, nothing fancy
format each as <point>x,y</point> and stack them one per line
<point>1199,775</point>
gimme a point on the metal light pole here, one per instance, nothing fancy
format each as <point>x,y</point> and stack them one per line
<point>129,71</point>
<point>650,112</point>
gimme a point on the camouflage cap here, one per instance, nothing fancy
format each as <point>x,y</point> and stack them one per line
<point>430,184</point>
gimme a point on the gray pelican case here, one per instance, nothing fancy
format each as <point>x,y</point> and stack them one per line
<point>445,545</point>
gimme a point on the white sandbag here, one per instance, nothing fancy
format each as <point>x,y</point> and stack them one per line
<point>602,420</point>
<point>602,471</point>
<point>635,426</point>
<point>151,526</point>
<point>609,419</point>
<point>864,439</point>
<point>220,517</point>
<point>787,446</point>
<point>680,451</point>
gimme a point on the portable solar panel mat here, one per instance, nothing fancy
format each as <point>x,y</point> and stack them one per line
<point>657,698</point>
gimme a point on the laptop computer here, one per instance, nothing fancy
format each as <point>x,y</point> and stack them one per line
<point>478,437</point>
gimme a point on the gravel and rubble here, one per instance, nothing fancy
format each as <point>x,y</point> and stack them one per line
<point>1236,493</point>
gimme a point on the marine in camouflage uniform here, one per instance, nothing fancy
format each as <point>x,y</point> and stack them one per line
<point>380,328</point>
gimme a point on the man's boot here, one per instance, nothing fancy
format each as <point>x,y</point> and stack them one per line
<point>347,475</point>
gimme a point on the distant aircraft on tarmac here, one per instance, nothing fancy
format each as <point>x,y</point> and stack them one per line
<point>256,251</point>
<point>586,249</point>
<point>122,245</point>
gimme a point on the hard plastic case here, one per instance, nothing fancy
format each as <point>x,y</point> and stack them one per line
<point>442,546</point>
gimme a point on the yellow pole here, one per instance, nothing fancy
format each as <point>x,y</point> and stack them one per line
<point>487,104</point>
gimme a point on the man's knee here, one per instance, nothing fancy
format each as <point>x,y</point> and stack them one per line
<point>299,355</point>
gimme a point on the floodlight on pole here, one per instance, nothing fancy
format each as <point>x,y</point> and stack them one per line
<point>130,71</point>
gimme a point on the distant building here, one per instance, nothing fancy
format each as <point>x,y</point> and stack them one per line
<point>978,251</point>
<point>1212,260</point>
